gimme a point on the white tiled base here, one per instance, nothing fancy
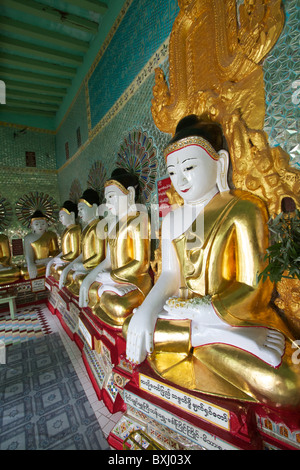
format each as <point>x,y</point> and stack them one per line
<point>106,420</point>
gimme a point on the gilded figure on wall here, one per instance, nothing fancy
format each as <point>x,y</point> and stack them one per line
<point>207,324</point>
<point>216,68</point>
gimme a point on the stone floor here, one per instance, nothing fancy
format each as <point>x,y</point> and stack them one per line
<point>106,420</point>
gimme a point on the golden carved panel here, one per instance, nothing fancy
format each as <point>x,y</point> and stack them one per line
<point>216,70</point>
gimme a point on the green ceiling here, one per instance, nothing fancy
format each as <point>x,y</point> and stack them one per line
<point>46,49</point>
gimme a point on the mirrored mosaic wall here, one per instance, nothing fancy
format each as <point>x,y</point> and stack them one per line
<point>103,120</point>
<point>102,139</point>
<point>282,85</point>
<point>27,166</point>
<point>106,145</point>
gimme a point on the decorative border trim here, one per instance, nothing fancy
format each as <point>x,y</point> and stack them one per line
<point>100,55</point>
<point>76,154</point>
<point>31,170</point>
<point>193,140</point>
<point>32,129</point>
<point>109,37</point>
<point>158,58</point>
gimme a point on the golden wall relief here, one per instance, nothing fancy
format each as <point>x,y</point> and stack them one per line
<point>216,56</point>
<point>216,69</point>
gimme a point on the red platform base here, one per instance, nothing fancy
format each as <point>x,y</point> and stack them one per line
<point>231,423</point>
<point>168,413</point>
<point>106,355</point>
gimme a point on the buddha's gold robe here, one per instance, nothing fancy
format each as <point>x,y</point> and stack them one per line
<point>225,265</point>
<point>45,247</point>
<point>8,273</point>
<point>71,249</point>
<point>130,261</point>
<point>93,251</point>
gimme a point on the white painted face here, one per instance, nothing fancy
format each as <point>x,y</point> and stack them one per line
<point>85,213</point>
<point>65,218</point>
<point>39,226</point>
<point>116,200</point>
<point>193,172</point>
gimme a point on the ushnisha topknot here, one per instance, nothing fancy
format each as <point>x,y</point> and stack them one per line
<point>124,179</point>
<point>38,215</point>
<point>70,206</point>
<point>192,130</point>
<point>90,197</point>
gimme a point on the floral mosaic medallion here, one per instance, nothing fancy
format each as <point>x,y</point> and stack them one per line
<point>5,213</point>
<point>29,203</point>
<point>138,155</point>
<point>75,191</point>
<point>96,178</point>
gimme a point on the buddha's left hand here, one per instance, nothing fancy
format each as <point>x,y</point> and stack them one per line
<point>49,266</point>
<point>32,270</point>
<point>140,334</point>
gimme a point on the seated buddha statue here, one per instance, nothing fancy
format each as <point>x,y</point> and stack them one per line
<point>70,240</point>
<point>40,247</point>
<point>121,282</point>
<point>92,248</point>
<point>8,272</point>
<point>207,324</point>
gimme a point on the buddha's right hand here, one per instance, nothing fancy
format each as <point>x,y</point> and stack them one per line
<point>139,341</point>
<point>32,270</point>
<point>78,266</point>
<point>63,277</point>
<point>84,291</point>
<point>49,266</point>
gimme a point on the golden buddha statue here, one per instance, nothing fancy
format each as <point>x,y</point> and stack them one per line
<point>8,272</point>
<point>70,240</point>
<point>120,283</point>
<point>39,247</point>
<point>92,248</point>
<point>207,324</point>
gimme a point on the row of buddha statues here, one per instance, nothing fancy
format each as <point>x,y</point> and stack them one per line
<point>206,324</point>
<point>40,246</point>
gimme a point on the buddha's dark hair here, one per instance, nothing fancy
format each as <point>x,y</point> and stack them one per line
<point>38,215</point>
<point>71,207</point>
<point>126,179</point>
<point>193,125</point>
<point>91,196</point>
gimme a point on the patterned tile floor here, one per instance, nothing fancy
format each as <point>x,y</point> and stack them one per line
<point>29,323</point>
<point>106,420</point>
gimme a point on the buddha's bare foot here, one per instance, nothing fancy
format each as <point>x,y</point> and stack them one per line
<point>267,344</point>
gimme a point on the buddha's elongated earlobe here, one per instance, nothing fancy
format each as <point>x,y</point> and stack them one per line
<point>95,210</point>
<point>223,165</point>
<point>131,195</point>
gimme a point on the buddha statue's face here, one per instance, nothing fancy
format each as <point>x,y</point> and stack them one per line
<point>193,172</point>
<point>85,213</point>
<point>117,200</point>
<point>65,218</point>
<point>39,226</point>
